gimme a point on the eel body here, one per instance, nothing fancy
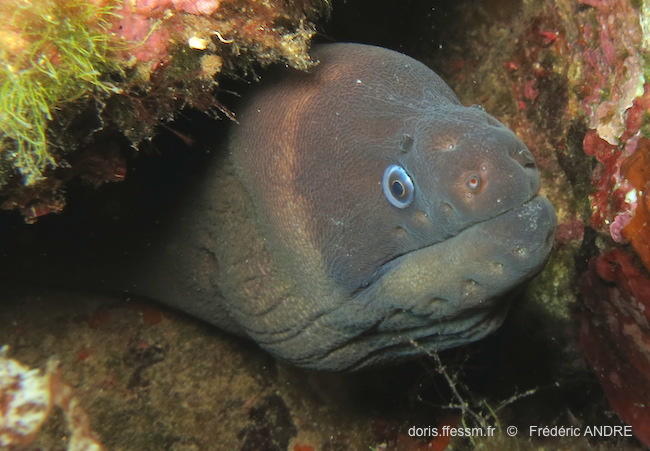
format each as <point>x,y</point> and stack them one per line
<point>359,216</point>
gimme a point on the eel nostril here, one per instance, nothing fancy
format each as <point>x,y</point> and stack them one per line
<point>524,158</point>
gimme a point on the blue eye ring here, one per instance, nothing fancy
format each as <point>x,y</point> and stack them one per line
<point>397,186</point>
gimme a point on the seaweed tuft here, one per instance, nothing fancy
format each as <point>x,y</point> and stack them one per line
<point>52,52</point>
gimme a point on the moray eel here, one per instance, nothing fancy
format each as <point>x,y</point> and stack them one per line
<point>361,215</point>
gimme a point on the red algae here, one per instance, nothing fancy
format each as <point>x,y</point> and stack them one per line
<point>548,37</point>
<point>149,45</point>
<point>615,331</point>
<point>149,26</point>
<point>637,230</point>
<point>621,176</point>
<point>615,335</point>
<point>614,98</point>
<point>606,177</point>
<point>570,231</point>
<point>152,27</point>
<point>615,291</point>
<point>614,66</point>
<point>205,7</point>
<point>301,447</point>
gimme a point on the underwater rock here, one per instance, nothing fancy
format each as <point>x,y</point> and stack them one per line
<point>636,228</point>
<point>615,335</point>
<point>150,378</point>
<point>620,178</point>
<point>570,79</point>
<point>27,398</point>
<point>615,291</point>
<point>75,73</point>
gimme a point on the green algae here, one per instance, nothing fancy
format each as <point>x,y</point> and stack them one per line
<point>52,53</point>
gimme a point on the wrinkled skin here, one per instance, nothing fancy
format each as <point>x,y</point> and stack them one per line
<point>288,238</point>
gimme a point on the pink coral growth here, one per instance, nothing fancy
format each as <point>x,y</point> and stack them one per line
<point>607,200</point>
<point>610,202</point>
<point>614,65</point>
<point>149,25</point>
<point>137,28</point>
<point>205,7</point>
<point>620,222</point>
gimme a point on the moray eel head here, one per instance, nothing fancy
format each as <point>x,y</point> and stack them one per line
<point>401,217</point>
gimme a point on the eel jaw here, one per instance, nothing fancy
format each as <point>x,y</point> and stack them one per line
<point>441,296</point>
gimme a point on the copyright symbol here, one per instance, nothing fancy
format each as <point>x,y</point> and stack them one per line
<point>511,431</point>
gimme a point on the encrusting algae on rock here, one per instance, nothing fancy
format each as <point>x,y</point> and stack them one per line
<point>571,78</point>
<point>615,289</point>
<point>27,399</point>
<point>109,69</point>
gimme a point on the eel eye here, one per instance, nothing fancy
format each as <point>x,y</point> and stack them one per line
<point>397,186</point>
<point>473,182</point>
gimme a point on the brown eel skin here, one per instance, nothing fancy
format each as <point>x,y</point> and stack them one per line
<point>360,215</point>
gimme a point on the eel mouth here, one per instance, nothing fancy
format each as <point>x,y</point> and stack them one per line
<point>440,296</point>
<point>375,348</point>
<point>425,341</point>
<point>443,295</point>
<point>546,221</point>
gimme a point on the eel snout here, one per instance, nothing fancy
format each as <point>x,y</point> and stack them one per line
<point>450,293</point>
<point>441,296</point>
